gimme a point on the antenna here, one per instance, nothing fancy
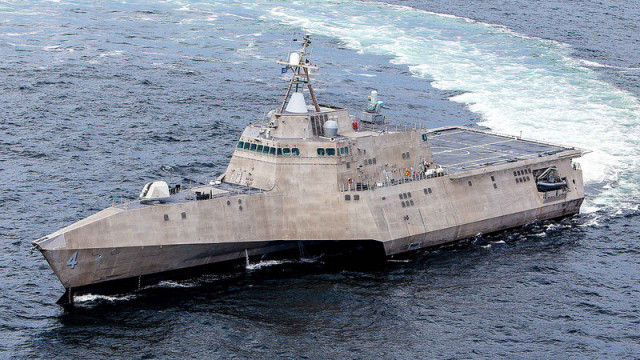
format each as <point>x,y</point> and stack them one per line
<point>300,63</point>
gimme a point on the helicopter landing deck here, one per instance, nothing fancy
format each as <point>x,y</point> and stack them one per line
<point>463,149</point>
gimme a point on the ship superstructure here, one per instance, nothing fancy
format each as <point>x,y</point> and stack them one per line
<point>313,175</point>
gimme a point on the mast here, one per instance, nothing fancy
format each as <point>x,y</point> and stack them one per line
<point>300,63</point>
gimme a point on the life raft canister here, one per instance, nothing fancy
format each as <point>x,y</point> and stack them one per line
<point>355,126</point>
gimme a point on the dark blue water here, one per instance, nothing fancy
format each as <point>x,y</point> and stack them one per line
<point>99,99</point>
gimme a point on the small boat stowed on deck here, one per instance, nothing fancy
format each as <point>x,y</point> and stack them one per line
<point>314,176</point>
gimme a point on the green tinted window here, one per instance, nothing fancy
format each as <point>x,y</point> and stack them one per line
<point>246,145</point>
<point>346,150</point>
<point>286,152</point>
<point>259,148</point>
<point>295,152</point>
<point>424,137</point>
<point>341,151</point>
<point>240,144</point>
<point>272,151</point>
<point>321,151</point>
<point>253,147</point>
<point>331,151</point>
<point>266,150</point>
<point>279,151</point>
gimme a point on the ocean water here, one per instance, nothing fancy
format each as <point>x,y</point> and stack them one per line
<point>98,99</point>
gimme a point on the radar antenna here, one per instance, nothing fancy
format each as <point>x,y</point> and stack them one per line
<point>300,63</point>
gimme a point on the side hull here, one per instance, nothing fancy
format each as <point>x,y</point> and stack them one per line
<point>452,234</point>
<point>92,267</point>
<point>108,270</point>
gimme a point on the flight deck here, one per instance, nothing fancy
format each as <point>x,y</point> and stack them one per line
<point>463,149</point>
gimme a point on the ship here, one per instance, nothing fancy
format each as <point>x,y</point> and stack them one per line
<point>313,178</point>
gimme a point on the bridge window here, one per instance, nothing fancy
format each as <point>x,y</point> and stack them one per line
<point>341,151</point>
<point>286,152</point>
<point>424,137</point>
<point>265,150</point>
<point>321,151</point>
<point>295,151</point>
<point>331,151</point>
<point>279,151</point>
<point>259,148</point>
<point>240,144</point>
<point>346,150</point>
<point>272,151</point>
<point>253,147</point>
<point>246,146</point>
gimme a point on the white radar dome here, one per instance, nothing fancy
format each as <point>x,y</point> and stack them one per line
<point>294,59</point>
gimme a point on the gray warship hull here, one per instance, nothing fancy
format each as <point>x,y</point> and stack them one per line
<point>316,176</point>
<point>489,187</point>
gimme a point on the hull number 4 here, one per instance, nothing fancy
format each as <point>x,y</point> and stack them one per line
<point>73,261</point>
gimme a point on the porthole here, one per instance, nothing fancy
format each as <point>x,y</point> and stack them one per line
<point>411,201</point>
<point>429,189</point>
<point>403,204</point>
<point>356,197</point>
<point>347,197</point>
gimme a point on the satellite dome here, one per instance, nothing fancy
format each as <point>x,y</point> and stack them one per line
<point>330,128</point>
